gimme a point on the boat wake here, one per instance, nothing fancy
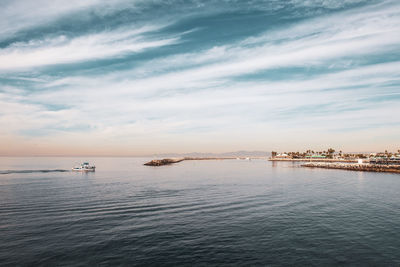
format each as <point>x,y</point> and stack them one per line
<point>31,171</point>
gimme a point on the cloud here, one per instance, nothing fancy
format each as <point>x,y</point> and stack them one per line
<point>61,50</point>
<point>310,47</point>
<point>333,73</point>
<point>331,4</point>
<point>17,15</point>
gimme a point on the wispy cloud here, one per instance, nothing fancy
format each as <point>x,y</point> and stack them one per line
<point>20,15</point>
<point>61,49</point>
<point>336,72</point>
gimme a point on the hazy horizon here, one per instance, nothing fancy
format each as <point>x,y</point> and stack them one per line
<point>138,78</point>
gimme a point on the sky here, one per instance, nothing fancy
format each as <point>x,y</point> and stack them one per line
<point>141,77</point>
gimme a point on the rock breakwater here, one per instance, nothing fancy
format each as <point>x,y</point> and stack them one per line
<point>162,162</point>
<point>355,167</point>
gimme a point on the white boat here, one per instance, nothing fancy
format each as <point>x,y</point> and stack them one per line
<point>85,167</point>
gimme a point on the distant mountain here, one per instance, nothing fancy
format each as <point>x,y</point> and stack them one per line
<point>241,153</point>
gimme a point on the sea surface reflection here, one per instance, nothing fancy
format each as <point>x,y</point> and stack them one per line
<point>225,212</point>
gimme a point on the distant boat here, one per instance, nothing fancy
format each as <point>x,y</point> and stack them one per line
<point>85,167</point>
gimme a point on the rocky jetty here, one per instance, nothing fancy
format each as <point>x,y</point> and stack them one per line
<point>162,162</point>
<point>355,167</point>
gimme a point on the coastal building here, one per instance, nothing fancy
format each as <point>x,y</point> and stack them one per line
<point>282,156</point>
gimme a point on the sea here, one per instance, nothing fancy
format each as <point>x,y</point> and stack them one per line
<point>195,213</point>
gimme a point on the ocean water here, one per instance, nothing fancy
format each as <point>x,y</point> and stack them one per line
<point>223,212</point>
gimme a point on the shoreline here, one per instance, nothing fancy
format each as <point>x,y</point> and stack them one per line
<point>315,160</point>
<point>355,167</point>
<point>350,165</point>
